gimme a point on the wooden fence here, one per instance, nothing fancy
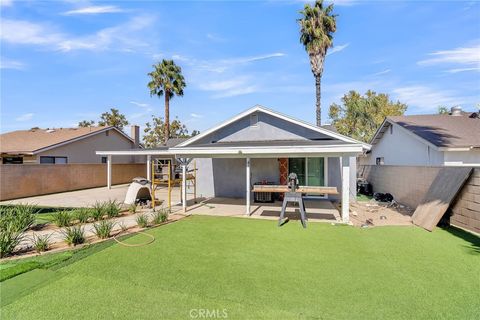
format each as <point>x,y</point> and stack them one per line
<point>26,180</point>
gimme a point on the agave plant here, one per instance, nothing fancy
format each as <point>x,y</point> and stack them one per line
<point>103,229</point>
<point>74,235</point>
<point>142,221</point>
<point>41,243</point>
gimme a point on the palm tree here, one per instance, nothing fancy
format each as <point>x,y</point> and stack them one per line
<point>317,26</point>
<point>166,80</point>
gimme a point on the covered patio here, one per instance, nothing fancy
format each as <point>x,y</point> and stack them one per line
<point>261,146</point>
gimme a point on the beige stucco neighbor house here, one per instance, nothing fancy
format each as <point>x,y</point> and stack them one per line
<point>65,145</point>
<point>427,140</point>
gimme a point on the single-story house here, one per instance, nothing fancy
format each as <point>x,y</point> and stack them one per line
<point>263,145</point>
<point>65,145</point>
<point>427,140</point>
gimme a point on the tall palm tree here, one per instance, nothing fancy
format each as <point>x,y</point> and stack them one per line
<point>166,80</point>
<point>317,26</point>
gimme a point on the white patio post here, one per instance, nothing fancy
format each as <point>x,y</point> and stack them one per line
<point>345,189</point>
<point>109,172</point>
<point>247,209</point>
<point>184,186</point>
<point>149,167</point>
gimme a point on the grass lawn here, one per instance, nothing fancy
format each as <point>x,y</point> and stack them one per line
<point>253,269</point>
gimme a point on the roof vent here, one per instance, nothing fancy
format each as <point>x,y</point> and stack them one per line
<point>456,111</point>
<point>50,130</point>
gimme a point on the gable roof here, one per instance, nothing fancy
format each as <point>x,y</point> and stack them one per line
<point>438,130</point>
<point>258,108</point>
<point>38,140</point>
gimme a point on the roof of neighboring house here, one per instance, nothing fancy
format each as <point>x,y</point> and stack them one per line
<point>440,130</point>
<point>36,140</point>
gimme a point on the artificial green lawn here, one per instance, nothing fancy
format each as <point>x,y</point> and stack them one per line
<point>253,269</point>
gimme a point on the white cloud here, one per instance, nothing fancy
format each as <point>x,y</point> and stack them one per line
<point>382,72</point>
<point>11,64</point>
<point>214,37</point>
<point>337,48</point>
<point>25,117</point>
<point>124,37</point>
<point>139,104</point>
<point>94,10</point>
<point>229,87</point>
<point>468,57</point>
<point>426,99</point>
<point>196,115</point>
<point>6,3</point>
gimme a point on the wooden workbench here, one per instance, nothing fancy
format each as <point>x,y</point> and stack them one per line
<point>300,189</point>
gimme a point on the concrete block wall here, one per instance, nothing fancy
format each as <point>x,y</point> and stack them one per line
<point>466,208</point>
<point>407,184</point>
<point>27,180</point>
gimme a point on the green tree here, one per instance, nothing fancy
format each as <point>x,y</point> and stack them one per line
<point>317,26</point>
<point>113,118</point>
<point>155,134</point>
<point>443,110</point>
<point>166,80</point>
<point>360,116</point>
<point>86,123</point>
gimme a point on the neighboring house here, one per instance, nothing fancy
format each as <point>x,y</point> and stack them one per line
<point>427,140</point>
<point>263,145</point>
<point>65,145</point>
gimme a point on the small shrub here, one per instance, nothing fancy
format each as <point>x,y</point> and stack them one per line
<point>132,208</point>
<point>82,215</point>
<point>62,218</point>
<point>18,217</point>
<point>112,208</point>
<point>41,243</point>
<point>103,229</point>
<point>160,216</point>
<point>9,239</point>
<point>123,227</point>
<point>74,235</point>
<point>142,221</point>
<point>98,211</point>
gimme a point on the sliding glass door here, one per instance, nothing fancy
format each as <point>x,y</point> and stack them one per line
<point>310,171</point>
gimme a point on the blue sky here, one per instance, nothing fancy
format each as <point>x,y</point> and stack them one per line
<point>66,61</point>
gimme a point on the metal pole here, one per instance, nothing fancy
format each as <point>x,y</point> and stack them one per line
<point>346,189</point>
<point>169,184</point>
<point>109,172</point>
<point>184,187</point>
<point>149,167</point>
<point>247,209</point>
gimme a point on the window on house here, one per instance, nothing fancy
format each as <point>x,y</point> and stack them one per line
<point>254,120</point>
<point>53,160</point>
<point>12,160</point>
<point>104,159</point>
<point>379,161</point>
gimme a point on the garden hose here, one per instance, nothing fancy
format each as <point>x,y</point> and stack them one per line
<point>152,238</point>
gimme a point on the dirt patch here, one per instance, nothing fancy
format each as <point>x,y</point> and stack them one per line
<point>373,213</point>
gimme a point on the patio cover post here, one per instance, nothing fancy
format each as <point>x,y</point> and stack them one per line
<point>184,186</point>
<point>247,209</point>
<point>109,172</point>
<point>345,189</point>
<point>149,167</point>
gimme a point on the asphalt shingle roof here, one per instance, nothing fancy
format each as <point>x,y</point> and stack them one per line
<point>443,130</point>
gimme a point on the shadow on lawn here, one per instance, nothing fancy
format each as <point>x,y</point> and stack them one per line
<point>474,247</point>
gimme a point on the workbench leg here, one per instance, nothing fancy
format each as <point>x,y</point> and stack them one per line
<point>282,213</point>
<point>302,212</point>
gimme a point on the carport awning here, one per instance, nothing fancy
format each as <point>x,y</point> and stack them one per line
<point>246,151</point>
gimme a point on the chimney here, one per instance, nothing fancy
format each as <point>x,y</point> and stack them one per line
<point>456,111</point>
<point>135,134</point>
